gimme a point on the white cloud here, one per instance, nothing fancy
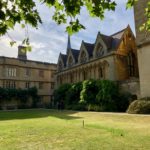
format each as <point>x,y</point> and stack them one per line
<point>50,39</point>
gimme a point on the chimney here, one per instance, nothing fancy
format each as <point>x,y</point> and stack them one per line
<point>22,52</point>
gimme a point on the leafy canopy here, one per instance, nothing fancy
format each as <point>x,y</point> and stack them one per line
<point>65,12</point>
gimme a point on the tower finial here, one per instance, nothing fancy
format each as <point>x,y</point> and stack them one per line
<point>68,44</point>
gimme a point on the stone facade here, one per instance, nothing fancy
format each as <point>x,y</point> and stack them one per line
<point>143,44</point>
<point>23,73</point>
<point>111,57</point>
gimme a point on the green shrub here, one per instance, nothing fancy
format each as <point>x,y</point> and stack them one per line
<point>73,94</point>
<point>123,100</point>
<point>21,95</point>
<point>60,93</point>
<point>89,91</point>
<point>139,107</point>
<point>107,94</point>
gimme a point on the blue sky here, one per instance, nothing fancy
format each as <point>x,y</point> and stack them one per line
<point>50,39</point>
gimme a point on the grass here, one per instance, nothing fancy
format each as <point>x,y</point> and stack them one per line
<point>55,130</point>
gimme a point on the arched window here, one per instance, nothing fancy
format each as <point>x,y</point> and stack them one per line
<point>60,66</point>
<point>71,77</point>
<point>99,50</point>
<point>84,73</point>
<point>70,62</point>
<point>83,57</point>
<point>101,72</point>
<point>131,66</point>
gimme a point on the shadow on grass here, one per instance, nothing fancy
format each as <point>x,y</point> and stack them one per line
<point>37,113</point>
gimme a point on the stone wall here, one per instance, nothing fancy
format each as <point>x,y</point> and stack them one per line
<point>143,43</point>
<point>144,70</point>
<point>132,86</point>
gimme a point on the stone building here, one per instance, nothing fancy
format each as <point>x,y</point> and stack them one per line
<point>23,73</point>
<point>112,57</point>
<point>143,48</point>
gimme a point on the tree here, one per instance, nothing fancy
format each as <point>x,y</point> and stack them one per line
<point>65,12</point>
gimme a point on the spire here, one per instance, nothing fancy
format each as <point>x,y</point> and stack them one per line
<point>69,44</point>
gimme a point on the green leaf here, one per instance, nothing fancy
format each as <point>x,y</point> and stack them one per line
<point>12,43</point>
<point>22,25</point>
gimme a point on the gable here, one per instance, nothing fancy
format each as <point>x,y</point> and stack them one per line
<point>127,42</point>
<point>69,57</point>
<point>60,63</point>
<point>83,50</point>
<point>99,41</point>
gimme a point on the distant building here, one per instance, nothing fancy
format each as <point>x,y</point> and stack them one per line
<point>23,73</point>
<point>112,57</point>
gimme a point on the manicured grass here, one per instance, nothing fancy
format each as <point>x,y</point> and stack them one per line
<point>55,130</point>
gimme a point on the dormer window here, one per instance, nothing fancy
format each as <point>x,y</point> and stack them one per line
<point>83,57</point>
<point>99,51</point>
<point>70,62</point>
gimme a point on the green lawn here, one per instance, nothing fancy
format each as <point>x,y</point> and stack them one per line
<point>55,130</point>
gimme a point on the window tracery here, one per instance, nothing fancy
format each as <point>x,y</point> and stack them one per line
<point>131,66</point>
<point>99,50</point>
<point>70,62</point>
<point>60,66</point>
<point>83,57</point>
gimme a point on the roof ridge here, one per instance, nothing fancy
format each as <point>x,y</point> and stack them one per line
<point>118,32</point>
<point>89,43</point>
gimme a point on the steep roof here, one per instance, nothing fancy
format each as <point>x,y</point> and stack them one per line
<point>107,40</point>
<point>112,42</point>
<point>64,58</point>
<point>89,48</point>
<point>119,34</point>
<point>75,54</point>
<point>117,38</point>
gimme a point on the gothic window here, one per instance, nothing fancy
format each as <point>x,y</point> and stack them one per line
<point>99,50</point>
<point>101,72</point>
<point>71,77</point>
<point>84,75</point>
<point>83,57</point>
<point>70,62</point>
<point>130,61</point>
<point>60,66</point>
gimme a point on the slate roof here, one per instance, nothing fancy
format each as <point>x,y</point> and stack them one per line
<point>117,38</point>
<point>64,58</point>
<point>107,40</point>
<point>119,34</point>
<point>75,54</point>
<point>89,47</point>
<point>112,42</point>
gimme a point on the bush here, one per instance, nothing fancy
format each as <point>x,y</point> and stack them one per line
<point>60,93</point>
<point>73,94</point>
<point>123,100</point>
<point>139,107</point>
<point>89,91</point>
<point>20,95</point>
<point>107,95</point>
